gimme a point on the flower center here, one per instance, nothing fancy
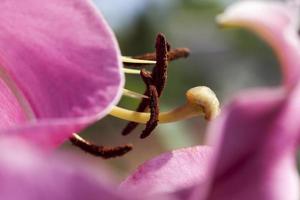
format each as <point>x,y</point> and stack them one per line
<point>200,100</point>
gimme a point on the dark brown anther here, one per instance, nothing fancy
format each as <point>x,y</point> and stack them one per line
<point>168,47</point>
<point>159,76</point>
<point>159,72</point>
<point>141,108</point>
<point>100,151</point>
<point>173,54</point>
<point>153,104</point>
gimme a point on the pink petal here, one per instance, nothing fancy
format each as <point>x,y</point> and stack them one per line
<point>27,173</point>
<point>11,111</point>
<point>170,172</point>
<point>62,61</point>
<point>256,137</point>
<point>277,23</point>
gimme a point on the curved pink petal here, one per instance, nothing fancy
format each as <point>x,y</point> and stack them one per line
<point>256,139</point>
<point>170,172</point>
<point>11,112</point>
<point>277,23</point>
<point>27,173</point>
<point>61,63</point>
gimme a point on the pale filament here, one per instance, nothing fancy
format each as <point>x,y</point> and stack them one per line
<point>129,60</point>
<point>131,71</point>
<point>135,95</point>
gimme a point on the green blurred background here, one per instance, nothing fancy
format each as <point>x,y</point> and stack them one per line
<point>225,60</point>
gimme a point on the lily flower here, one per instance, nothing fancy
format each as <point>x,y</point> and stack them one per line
<point>256,136</point>
<point>61,70</point>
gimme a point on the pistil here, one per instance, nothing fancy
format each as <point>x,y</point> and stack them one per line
<point>201,100</point>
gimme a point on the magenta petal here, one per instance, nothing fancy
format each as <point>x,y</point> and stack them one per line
<point>277,23</point>
<point>62,60</point>
<point>170,172</point>
<point>256,138</point>
<point>11,111</point>
<point>29,175</point>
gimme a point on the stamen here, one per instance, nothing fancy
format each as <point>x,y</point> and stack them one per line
<point>133,61</point>
<point>200,101</point>
<point>131,71</point>
<point>153,104</point>
<point>142,107</point>
<point>159,72</point>
<point>159,76</point>
<point>100,151</point>
<point>135,95</point>
<point>173,54</point>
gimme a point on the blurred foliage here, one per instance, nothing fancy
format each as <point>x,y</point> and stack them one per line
<point>225,60</point>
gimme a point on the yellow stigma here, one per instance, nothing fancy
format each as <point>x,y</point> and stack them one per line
<point>204,99</point>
